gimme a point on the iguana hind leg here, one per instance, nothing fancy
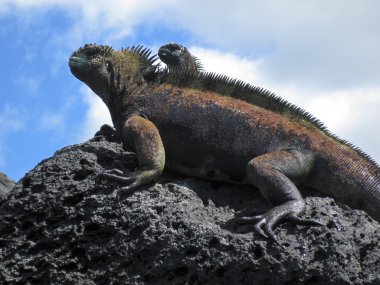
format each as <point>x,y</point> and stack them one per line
<point>276,174</point>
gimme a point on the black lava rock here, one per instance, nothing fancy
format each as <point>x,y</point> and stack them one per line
<point>62,224</point>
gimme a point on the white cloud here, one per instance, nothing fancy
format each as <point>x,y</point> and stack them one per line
<point>97,114</point>
<point>319,44</point>
<point>316,43</point>
<point>352,114</point>
<point>109,20</point>
<point>228,63</point>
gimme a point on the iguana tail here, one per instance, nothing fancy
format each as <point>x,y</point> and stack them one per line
<point>350,176</point>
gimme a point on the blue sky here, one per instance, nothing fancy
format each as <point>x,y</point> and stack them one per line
<point>321,55</point>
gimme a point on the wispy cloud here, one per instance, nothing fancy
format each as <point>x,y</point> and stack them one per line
<point>30,85</point>
<point>51,121</point>
<point>11,120</point>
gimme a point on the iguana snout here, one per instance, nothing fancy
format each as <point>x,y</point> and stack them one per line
<point>88,57</point>
<point>91,65</point>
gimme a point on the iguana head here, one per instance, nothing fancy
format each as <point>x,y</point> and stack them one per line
<point>178,58</point>
<point>110,72</point>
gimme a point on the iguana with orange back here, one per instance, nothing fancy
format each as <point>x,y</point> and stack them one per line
<point>213,127</point>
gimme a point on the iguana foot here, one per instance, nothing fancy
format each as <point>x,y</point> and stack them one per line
<point>133,179</point>
<point>265,223</point>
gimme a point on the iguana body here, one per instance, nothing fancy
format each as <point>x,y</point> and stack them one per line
<point>212,127</point>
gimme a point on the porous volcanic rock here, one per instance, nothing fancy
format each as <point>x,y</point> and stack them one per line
<point>62,224</point>
<point>6,184</point>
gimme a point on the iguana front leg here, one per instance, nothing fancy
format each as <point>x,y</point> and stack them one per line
<point>276,174</point>
<point>142,136</point>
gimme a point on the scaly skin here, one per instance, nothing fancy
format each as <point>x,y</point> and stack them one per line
<point>212,127</point>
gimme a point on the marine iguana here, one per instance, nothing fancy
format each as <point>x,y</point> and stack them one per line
<point>178,59</point>
<point>210,126</point>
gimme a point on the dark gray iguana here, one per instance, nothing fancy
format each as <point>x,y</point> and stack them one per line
<point>213,127</point>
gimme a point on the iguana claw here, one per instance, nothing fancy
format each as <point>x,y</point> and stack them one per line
<point>133,179</point>
<point>265,223</point>
<point>117,175</point>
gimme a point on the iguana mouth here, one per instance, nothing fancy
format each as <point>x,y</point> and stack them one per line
<point>77,61</point>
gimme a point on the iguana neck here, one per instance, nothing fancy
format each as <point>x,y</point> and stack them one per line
<point>123,100</point>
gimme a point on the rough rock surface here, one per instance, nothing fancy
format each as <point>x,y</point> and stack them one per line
<point>62,224</point>
<point>6,184</point>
